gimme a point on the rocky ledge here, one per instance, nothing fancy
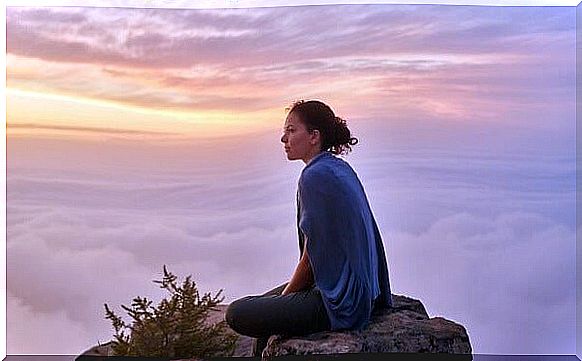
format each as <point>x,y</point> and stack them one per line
<point>405,328</point>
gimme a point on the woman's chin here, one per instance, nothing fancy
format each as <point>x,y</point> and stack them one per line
<point>291,156</point>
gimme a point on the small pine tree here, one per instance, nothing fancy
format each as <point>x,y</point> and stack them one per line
<point>176,328</point>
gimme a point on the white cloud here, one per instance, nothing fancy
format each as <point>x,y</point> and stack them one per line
<point>33,332</point>
<point>484,239</point>
<point>509,280</point>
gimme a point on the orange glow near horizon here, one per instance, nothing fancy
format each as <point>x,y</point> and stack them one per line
<point>45,110</point>
<point>165,75</point>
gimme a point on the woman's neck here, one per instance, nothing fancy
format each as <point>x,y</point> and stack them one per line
<point>308,160</point>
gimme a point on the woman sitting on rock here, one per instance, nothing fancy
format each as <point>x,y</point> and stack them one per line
<point>342,275</point>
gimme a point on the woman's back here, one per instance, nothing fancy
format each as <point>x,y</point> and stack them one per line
<point>344,245</point>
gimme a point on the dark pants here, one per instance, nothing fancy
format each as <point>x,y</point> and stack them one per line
<point>297,313</point>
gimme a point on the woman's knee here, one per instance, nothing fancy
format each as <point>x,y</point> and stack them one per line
<point>236,315</point>
<point>231,314</point>
<point>244,317</point>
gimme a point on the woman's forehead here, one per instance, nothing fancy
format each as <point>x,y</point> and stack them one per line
<point>292,119</point>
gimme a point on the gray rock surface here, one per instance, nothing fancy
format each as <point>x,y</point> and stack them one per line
<point>404,328</point>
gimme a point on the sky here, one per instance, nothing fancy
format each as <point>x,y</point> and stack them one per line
<point>143,137</point>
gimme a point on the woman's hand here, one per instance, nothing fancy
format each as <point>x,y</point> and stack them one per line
<point>303,276</point>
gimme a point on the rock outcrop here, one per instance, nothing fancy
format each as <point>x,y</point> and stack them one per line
<point>405,328</point>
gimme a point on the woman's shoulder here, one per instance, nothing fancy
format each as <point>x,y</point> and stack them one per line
<point>315,176</point>
<point>326,168</point>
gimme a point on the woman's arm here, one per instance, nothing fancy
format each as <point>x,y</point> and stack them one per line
<point>303,275</point>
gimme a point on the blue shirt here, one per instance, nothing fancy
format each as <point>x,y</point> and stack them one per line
<point>344,244</point>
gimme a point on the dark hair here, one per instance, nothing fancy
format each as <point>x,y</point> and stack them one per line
<point>335,135</point>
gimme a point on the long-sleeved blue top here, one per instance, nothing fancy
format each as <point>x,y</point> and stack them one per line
<point>343,242</point>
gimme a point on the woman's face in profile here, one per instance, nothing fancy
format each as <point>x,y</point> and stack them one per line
<point>296,138</point>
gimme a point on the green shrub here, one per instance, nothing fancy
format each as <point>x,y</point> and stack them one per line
<point>176,328</point>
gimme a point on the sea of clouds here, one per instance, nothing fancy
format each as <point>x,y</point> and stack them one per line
<point>478,223</point>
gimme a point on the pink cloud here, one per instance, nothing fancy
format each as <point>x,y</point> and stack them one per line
<point>151,57</point>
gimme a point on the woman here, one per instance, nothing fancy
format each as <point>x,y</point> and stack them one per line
<point>342,275</point>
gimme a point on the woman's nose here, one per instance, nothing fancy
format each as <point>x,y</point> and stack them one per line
<point>283,138</point>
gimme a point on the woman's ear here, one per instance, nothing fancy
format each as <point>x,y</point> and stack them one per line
<point>315,137</point>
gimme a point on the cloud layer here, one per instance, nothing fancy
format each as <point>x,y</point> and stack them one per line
<point>483,238</point>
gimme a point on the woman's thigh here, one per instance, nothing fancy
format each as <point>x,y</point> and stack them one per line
<point>275,291</point>
<point>297,313</point>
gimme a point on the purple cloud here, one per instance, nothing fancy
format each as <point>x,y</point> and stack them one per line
<point>289,34</point>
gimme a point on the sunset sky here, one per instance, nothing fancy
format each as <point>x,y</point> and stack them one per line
<point>143,137</point>
<point>203,72</point>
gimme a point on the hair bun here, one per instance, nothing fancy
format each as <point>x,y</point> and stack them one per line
<point>336,136</point>
<point>340,121</point>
